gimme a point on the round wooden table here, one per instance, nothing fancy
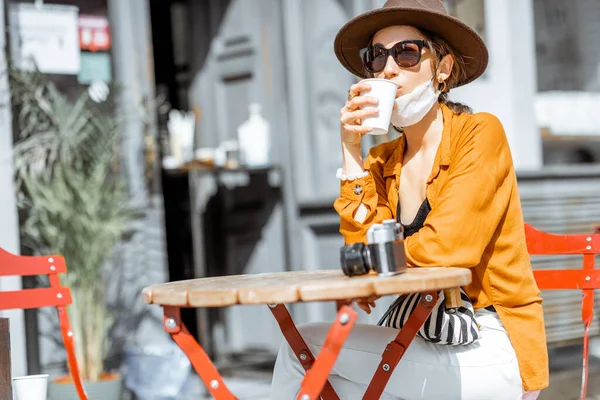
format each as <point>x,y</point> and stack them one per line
<point>276,289</point>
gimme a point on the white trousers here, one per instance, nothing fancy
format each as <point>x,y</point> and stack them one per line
<point>485,370</point>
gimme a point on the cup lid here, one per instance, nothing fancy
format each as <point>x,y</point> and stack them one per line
<point>30,377</point>
<point>379,80</point>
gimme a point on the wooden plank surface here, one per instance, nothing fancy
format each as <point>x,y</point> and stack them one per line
<point>290,287</point>
<point>414,280</point>
<point>5,373</point>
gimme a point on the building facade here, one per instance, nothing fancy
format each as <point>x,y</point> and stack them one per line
<point>216,57</point>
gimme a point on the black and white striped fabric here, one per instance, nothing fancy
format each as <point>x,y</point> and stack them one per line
<point>451,327</point>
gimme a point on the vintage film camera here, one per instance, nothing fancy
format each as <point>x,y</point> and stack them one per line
<point>383,253</point>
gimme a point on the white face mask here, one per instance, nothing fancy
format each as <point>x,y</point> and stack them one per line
<point>412,107</point>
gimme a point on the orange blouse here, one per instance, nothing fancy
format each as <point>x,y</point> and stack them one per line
<point>475,222</point>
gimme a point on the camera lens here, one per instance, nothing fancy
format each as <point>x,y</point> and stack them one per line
<point>354,259</point>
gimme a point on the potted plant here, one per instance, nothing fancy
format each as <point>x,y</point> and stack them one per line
<point>72,202</point>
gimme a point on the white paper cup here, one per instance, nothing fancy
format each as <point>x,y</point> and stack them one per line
<point>385,91</point>
<point>31,387</point>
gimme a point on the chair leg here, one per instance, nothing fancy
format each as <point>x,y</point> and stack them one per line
<point>67,335</point>
<point>395,349</point>
<point>587,311</point>
<point>197,356</point>
<point>298,345</point>
<point>584,372</point>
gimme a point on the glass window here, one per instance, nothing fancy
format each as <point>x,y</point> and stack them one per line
<point>567,46</point>
<point>471,12</point>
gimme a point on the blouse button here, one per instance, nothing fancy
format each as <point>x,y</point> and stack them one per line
<point>358,190</point>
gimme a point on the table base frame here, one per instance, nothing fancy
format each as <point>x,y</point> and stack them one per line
<point>299,346</point>
<point>395,349</point>
<point>315,384</point>
<point>196,354</point>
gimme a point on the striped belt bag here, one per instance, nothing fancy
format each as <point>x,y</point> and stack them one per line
<point>451,326</point>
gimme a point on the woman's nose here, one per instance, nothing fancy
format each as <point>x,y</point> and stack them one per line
<point>391,69</point>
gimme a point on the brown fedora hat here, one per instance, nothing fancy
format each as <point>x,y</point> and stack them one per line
<point>430,15</point>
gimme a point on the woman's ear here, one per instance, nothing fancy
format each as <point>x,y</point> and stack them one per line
<point>445,68</point>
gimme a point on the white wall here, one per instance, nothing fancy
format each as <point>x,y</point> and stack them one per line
<point>508,88</point>
<point>9,238</point>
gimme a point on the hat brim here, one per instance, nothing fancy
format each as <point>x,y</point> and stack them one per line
<point>356,34</point>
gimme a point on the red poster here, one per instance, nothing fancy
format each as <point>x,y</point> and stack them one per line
<point>94,33</point>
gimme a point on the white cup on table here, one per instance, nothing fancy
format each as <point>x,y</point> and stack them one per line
<point>31,387</point>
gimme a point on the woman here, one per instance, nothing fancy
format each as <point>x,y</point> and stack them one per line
<point>451,176</point>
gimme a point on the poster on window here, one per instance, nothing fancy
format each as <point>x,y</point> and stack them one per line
<point>45,37</point>
<point>94,33</point>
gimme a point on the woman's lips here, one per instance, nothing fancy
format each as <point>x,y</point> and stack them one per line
<point>398,92</point>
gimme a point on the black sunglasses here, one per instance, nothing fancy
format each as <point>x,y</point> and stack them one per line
<point>406,54</point>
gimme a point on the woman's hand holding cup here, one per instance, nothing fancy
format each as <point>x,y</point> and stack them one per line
<point>368,110</point>
<point>352,114</point>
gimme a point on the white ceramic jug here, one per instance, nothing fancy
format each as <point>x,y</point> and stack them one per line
<point>254,139</point>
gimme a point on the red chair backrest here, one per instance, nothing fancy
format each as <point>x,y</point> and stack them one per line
<point>542,243</point>
<point>585,279</point>
<point>55,295</point>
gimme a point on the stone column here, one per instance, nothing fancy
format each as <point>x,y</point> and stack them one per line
<point>509,86</point>
<point>9,229</point>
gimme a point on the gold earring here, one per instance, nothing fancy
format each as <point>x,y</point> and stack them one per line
<point>444,85</point>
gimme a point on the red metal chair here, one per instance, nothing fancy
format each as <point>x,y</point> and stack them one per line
<point>586,279</point>
<point>55,296</point>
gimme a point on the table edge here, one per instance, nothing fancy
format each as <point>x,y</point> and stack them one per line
<point>302,295</point>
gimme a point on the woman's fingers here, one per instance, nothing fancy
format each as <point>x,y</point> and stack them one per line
<point>352,115</point>
<point>365,304</point>
<point>361,101</point>
<point>371,301</point>
<point>360,130</point>
<point>358,114</point>
<point>359,87</point>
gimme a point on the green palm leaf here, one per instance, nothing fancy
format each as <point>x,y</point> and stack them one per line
<point>71,198</point>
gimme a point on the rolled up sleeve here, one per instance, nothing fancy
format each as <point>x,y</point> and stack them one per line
<point>370,191</point>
